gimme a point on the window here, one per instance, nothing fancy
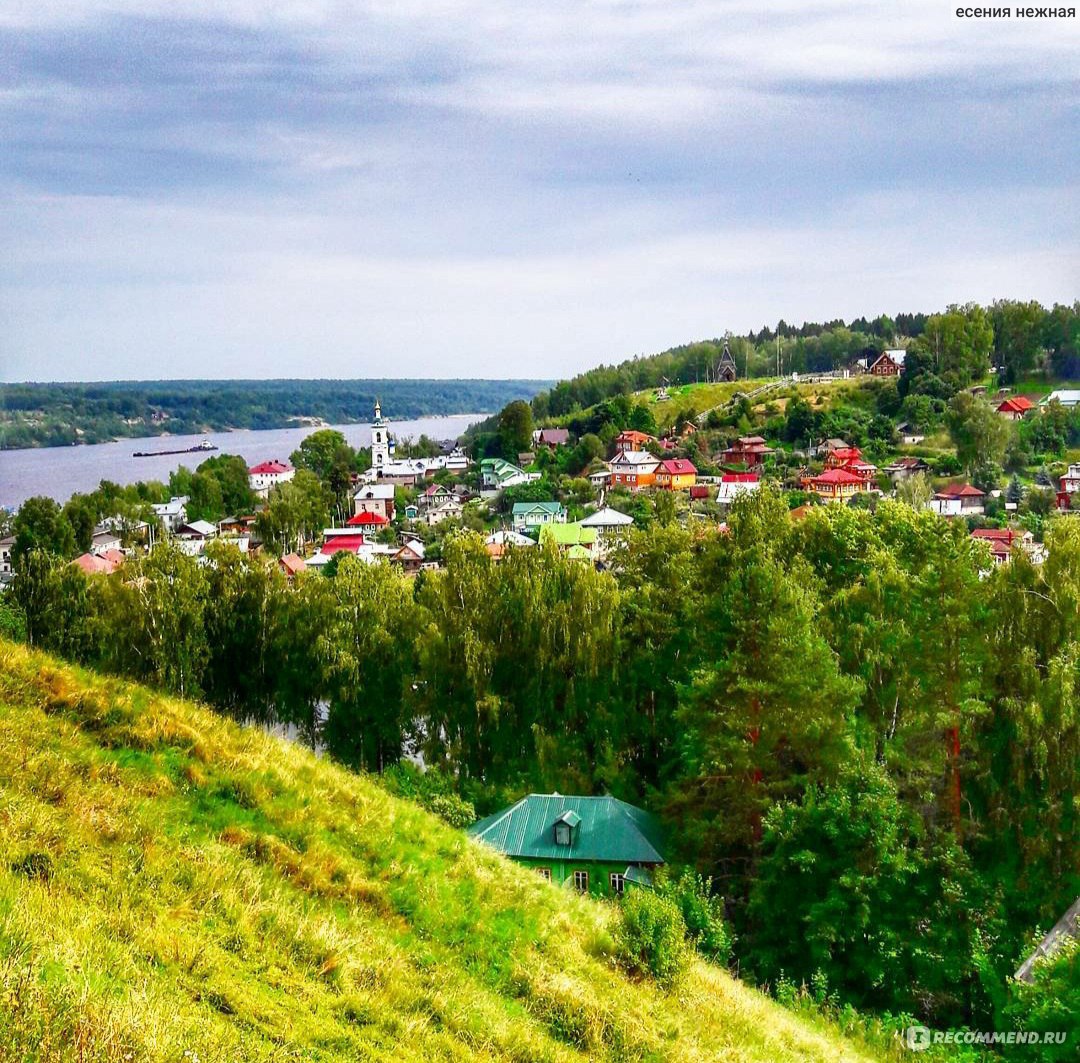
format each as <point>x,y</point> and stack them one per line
<point>562,833</point>
<point>617,882</point>
<point>581,881</point>
<point>544,873</point>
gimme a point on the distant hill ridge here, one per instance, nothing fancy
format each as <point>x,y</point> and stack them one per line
<point>177,887</point>
<point>42,414</point>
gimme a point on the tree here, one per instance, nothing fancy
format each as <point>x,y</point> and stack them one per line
<point>157,612</point>
<point>515,429</point>
<point>81,515</point>
<point>295,512</point>
<point>834,888</point>
<point>754,728</point>
<point>980,435</point>
<point>321,451</point>
<point>370,659</point>
<point>960,341</point>
<point>1018,334</point>
<point>41,525</point>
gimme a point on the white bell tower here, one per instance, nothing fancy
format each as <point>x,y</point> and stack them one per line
<point>380,440</point>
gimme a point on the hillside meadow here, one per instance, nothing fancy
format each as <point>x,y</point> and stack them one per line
<point>178,887</point>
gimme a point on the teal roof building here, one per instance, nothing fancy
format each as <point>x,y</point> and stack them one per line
<point>592,844</point>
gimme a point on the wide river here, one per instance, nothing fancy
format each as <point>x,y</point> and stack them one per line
<point>62,471</point>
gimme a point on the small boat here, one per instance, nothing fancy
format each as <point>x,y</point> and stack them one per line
<point>199,448</point>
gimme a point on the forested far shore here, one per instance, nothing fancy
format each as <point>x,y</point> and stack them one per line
<point>63,414</point>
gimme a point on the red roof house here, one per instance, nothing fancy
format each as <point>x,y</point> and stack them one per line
<point>958,500</point>
<point>1015,407</point>
<point>675,474</point>
<point>366,520</point>
<point>1002,541</point>
<point>837,485</point>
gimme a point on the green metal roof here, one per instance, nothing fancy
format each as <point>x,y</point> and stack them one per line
<point>554,508</point>
<point>610,830</point>
<point>568,534</point>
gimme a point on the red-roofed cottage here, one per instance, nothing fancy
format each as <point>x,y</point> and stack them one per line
<point>837,485</point>
<point>1015,407</point>
<point>269,474</point>
<point>958,500</point>
<point>676,474</point>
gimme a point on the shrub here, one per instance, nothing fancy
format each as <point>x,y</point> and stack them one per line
<point>651,938</point>
<point>702,913</point>
<point>1050,1004</point>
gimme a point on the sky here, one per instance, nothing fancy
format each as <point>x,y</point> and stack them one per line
<point>328,188</point>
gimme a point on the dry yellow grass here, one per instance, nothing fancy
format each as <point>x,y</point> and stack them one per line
<point>174,887</point>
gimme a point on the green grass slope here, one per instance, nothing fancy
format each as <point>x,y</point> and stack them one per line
<point>175,887</point>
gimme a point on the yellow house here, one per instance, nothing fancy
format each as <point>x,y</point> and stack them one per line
<point>676,474</point>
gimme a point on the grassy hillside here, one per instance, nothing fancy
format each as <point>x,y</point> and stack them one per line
<point>176,887</point>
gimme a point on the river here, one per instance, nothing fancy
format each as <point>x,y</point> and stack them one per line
<point>60,472</point>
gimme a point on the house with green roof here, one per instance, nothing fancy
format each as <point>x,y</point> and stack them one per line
<point>592,844</point>
<point>575,540</point>
<point>532,516</point>
<point>496,474</point>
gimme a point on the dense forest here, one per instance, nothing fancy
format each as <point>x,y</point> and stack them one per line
<point>35,415</point>
<point>862,732</point>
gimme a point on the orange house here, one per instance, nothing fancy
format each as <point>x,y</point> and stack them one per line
<point>633,469</point>
<point>676,474</point>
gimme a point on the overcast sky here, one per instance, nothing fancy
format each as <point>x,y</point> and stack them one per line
<point>525,188</point>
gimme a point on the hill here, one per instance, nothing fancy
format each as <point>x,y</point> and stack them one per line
<point>178,887</point>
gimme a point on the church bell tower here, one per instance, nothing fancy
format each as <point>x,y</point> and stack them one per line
<point>380,440</point>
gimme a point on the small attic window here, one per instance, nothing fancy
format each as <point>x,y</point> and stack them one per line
<point>564,827</point>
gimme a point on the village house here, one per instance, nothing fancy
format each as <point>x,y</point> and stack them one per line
<point>574,540</point>
<point>499,543</point>
<point>958,500</point>
<point>632,440</point>
<point>456,461</point>
<point>749,451</point>
<point>367,521</point>
<point>1004,541</point>
<point>449,509</point>
<point>268,474</point>
<point>735,484</point>
<point>607,521</point>
<point>406,473</point>
<point>888,363</point>
<point>676,474</point>
<point>909,434</point>
<point>1070,482</point>
<point>633,469</point>
<point>172,513</point>
<point>1066,397</point>
<point>192,538</point>
<point>99,564</point>
<point>905,468</point>
<point>551,437</point>
<point>590,844</point>
<point>529,516</point>
<point>374,498</point>
<point>292,565</point>
<point>412,511</point>
<point>238,526</point>
<point>497,474</point>
<point>610,526</point>
<point>434,495</point>
<point>1015,408</point>
<point>410,556</point>
<point>837,485</point>
<point>104,541</point>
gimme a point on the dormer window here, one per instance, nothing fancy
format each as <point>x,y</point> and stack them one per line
<point>564,827</point>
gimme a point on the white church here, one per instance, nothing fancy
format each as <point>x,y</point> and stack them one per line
<point>411,471</point>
